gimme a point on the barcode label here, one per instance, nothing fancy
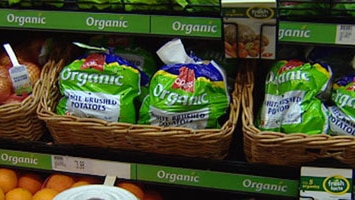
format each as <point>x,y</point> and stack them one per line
<point>345,27</point>
<point>345,34</point>
<point>58,161</point>
<point>91,166</point>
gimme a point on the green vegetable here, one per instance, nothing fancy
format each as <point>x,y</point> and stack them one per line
<point>100,4</point>
<point>294,8</point>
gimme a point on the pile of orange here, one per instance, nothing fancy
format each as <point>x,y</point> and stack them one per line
<point>139,191</point>
<point>24,185</point>
<point>17,185</point>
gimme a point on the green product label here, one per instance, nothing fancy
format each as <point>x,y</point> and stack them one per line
<point>217,180</point>
<point>25,159</point>
<point>186,26</point>
<point>80,21</point>
<point>343,95</point>
<point>101,86</point>
<point>293,98</point>
<point>336,185</point>
<point>340,123</point>
<point>184,95</point>
<point>342,113</point>
<point>307,32</point>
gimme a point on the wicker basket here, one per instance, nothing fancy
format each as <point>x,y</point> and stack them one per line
<point>294,149</point>
<point>19,121</point>
<point>205,143</point>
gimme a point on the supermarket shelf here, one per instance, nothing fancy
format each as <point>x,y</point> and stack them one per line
<point>223,175</point>
<point>143,24</point>
<point>328,22</point>
<point>227,175</point>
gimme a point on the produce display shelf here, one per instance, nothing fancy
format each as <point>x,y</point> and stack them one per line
<point>226,175</point>
<point>222,175</point>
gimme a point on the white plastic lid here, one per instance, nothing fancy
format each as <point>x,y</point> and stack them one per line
<point>95,192</point>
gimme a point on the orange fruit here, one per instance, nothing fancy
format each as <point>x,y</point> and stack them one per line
<point>8,179</point>
<point>45,194</point>
<point>80,183</point>
<point>59,182</point>
<point>133,188</point>
<point>18,194</point>
<point>30,181</point>
<point>2,195</point>
<point>90,179</point>
<point>152,195</point>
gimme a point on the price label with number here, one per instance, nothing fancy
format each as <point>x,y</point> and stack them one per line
<point>345,34</point>
<point>91,166</point>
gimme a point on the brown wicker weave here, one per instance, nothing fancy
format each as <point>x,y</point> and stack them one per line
<point>287,149</point>
<point>19,121</point>
<point>206,143</point>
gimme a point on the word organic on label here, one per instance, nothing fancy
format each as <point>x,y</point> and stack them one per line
<point>22,20</point>
<point>25,159</point>
<point>260,186</point>
<point>190,28</point>
<point>101,23</point>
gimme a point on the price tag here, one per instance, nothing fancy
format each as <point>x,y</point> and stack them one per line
<point>110,180</point>
<point>91,166</point>
<point>326,183</point>
<point>18,73</point>
<point>20,80</point>
<point>345,35</point>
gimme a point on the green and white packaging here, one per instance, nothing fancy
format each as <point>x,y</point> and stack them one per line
<point>185,92</point>
<point>342,114</point>
<point>100,85</point>
<point>325,183</point>
<point>291,101</point>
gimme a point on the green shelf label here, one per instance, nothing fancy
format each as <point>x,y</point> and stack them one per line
<point>186,26</point>
<point>25,159</point>
<point>76,21</point>
<point>321,33</point>
<point>112,22</point>
<point>217,180</point>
